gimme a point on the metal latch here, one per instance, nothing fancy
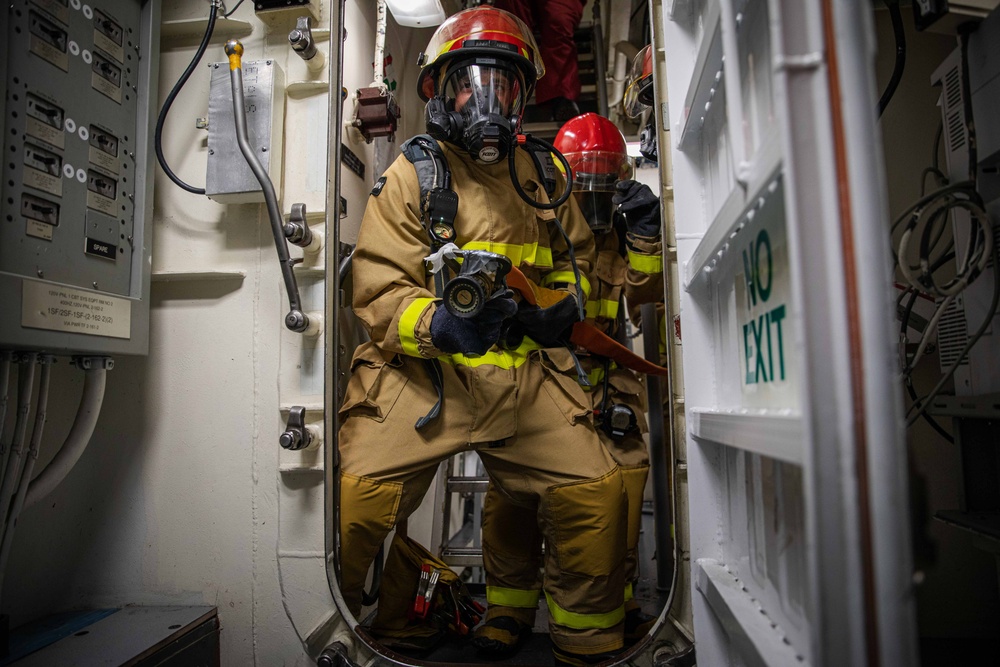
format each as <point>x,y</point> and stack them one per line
<point>296,435</point>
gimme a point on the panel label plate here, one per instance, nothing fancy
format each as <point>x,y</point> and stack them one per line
<point>59,308</point>
<point>99,203</point>
<point>103,160</point>
<point>50,53</point>
<point>35,128</point>
<point>39,230</point>
<point>44,182</point>
<point>101,249</point>
<point>105,87</point>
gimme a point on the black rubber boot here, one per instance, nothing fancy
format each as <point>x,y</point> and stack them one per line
<point>567,659</point>
<point>500,636</point>
<point>637,625</point>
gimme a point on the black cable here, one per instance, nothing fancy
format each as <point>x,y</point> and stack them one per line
<point>933,423</point>
<point>987,320</point>
<point>897,69</point>
<point>158,134</point>
<point>233,10</point>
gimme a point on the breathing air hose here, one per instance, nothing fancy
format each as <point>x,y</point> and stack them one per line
<point>527,141</point>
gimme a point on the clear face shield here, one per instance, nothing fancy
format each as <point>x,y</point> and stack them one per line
<point>594,176</point>
<point>488,100</point>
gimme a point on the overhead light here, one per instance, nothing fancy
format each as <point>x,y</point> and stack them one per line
<point>416,13</point>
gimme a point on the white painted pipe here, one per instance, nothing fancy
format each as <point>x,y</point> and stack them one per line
<point>76,442</point>
<point>380,23</point>
<point>29,464</point>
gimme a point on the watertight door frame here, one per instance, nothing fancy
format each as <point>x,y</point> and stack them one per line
<point>800,551</point>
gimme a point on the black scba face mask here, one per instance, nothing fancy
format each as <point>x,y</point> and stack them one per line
<point>480,111</point>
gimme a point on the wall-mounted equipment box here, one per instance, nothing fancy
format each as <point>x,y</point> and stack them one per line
<point>230,179</point>
<point>76,195</point>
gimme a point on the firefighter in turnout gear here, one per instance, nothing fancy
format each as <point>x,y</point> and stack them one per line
<point>625,219</point>
<point>639,97</point>
<point>431,384</point>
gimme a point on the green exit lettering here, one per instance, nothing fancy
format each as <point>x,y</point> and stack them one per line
<point>762,336</point>
<point>765,333</point>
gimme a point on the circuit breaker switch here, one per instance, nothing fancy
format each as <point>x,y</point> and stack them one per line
<point>377,113</point>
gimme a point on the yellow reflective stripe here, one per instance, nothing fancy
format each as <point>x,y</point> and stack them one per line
<point>408,325</point>
<point>505,359</point>
<point>511,251</point>
<point>603,308</point>
<point>566,277</point>
<point>649,264</point>
<point>628,592</point>
<point>512,597</point>
<point>529,253</point>
<point>538,255</point>
<point>570,619</point>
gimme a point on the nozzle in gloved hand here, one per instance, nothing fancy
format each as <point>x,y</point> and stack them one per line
<point>551,326</point>
<point>640,207</point>
<point>475,335</point>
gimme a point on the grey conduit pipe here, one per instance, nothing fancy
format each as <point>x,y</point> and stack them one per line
<point>29,463</point>
<point>660,456</point>
<point>95,380</point>
<point>5,357</point>
<point>25,384</point>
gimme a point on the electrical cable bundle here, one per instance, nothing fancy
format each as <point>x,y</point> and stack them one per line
<point>924,249</point>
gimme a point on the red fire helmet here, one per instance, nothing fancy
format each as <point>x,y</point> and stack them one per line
<point>639,84</point>
<point>595,150</point>
<point>485,33</point>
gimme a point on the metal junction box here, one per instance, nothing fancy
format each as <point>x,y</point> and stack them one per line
<point>229,179</point>
<point>76,194</point>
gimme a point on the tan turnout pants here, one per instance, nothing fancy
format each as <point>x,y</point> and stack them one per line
<point>551,460</point>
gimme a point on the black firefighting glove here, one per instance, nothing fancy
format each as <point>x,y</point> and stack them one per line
<point>640,207</point>
<point>473,335</point>
<point>550,326</point>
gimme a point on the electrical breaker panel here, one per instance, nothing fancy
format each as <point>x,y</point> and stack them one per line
<point>76,199</point>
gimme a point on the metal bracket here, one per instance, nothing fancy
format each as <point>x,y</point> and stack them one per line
<point>301,39</point>
<point>671,657</point>
<point>296,230</point>
<point>334,655</point>
<point>296,435</point>
<point>92,363</point>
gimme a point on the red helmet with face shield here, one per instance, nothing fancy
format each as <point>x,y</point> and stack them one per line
<point>595,150</point>
<point>485,36</point>
<point>476,76</point>
<point>639,84</point>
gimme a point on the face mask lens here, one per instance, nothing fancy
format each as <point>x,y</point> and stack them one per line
<point>480,91</point>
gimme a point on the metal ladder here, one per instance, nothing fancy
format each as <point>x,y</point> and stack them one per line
<point>460,546</point>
